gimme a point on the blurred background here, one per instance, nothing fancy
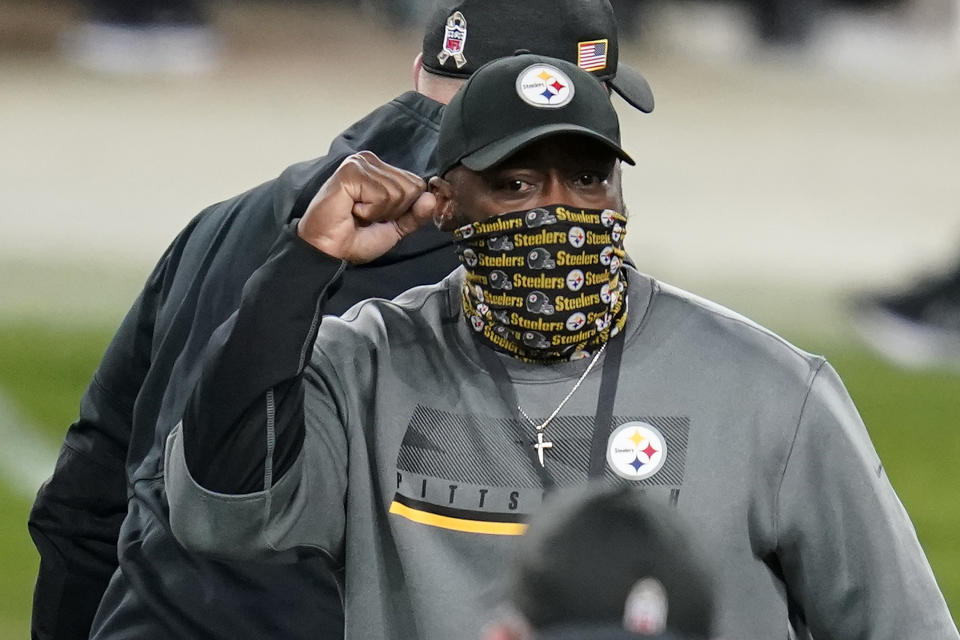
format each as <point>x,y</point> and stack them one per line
<point>801,167</point>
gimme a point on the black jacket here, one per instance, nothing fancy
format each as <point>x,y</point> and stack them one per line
<point>105,500</point>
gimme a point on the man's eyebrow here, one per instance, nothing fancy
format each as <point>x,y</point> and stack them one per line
<point>498,171</point>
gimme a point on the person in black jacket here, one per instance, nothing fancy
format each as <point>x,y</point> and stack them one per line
<point>110,567</point>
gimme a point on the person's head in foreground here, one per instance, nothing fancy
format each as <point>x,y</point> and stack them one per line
<point>529,159</point>
<point>605,564</point>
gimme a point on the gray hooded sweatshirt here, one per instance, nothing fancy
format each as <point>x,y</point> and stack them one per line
<point>392,451</point>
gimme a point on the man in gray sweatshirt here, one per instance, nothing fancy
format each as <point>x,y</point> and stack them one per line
<point>410,440</point>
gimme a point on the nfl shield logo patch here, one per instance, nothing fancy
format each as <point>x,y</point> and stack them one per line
<point>454,40</point>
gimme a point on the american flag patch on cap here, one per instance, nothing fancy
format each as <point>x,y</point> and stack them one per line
<point>592,55</point>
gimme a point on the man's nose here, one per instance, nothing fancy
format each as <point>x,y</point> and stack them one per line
<point>556,190</point>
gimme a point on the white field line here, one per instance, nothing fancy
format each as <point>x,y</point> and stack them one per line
<point>26,458</point>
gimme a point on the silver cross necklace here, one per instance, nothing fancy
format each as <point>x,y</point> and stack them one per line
<point>541,445</point>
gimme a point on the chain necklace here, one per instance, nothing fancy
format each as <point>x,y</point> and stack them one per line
<point>540,444</point>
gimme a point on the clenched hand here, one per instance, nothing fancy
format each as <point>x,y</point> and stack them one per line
<point>364,209</point>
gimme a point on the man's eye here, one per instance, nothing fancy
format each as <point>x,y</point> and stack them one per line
<point>587,179</point>
<point>515,185</point>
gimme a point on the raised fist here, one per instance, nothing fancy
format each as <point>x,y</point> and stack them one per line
<point>365,208</point>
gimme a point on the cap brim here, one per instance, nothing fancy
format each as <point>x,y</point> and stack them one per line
<point>632,87</point>
<point>496,152</point>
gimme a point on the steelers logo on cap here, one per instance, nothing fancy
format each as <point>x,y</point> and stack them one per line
<point>543,85</point>
<point>636,450</point>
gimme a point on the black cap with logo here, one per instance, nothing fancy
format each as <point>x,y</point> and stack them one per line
<point>462,36</point>
<point>512,102</point>
<point>601,563</point>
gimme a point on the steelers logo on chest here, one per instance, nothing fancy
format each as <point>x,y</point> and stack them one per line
<point>636,450</point>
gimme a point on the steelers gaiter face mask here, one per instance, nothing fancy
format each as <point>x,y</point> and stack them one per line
<point>545,285</point>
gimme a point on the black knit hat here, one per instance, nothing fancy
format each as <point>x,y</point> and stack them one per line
<point>462,36</point>
<point>609,564</point>
<point>512,102</point>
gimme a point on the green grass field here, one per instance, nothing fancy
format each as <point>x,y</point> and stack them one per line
<point>914,419</point>
<point>43,371</point>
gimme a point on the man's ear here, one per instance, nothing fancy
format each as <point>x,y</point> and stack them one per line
<point>617,179</point>
<point>443,192</point>
<point>417,66</point>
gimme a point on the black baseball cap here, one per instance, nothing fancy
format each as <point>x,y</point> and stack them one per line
<point>512,102</point>
<point>462,36</point>
<point>602,563</point>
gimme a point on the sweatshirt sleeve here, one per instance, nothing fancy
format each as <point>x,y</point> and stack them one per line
<point>236,466</point>
<point>849,553</point>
